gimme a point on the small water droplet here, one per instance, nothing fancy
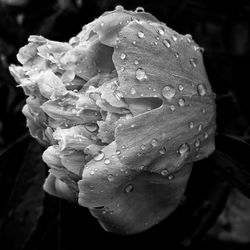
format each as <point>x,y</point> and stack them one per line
<point>197,143</point>
<point>99,157</point>
<point>102,24</point>
<point>143,147</point>
<point>161,31</point>
<point>167,43</point>
<point>134,42</point>
<point>193,62</point>
<point>119,8</point>
<point>162,151</point>
<point>164,172</point>
<point>203,110</point>
<point>132,91</point>
<point>132,125</point>
<point>171,177</point>
<point>189,38</point>
<point>141,167</point>
<point>122,69</point>
<point>168,92</point>
<point>129,188</point>
<point>180,87</point>
<point>172,107</point>
<point>205,135</point>
<point>139,9</point>
<point>200,127</point>
<point>183,149</point>
<point>107,161</point>
<point>140,34</point>
<point>181,102</point>
<point>136,62</point>
<point>201,89</point>
<point>118,152</point>
<point>92,172</point>
<point>154,142</point>
<point>140,74</point>
<point>91,127</point>
<point>174,37</point>
<point>176,54</point>
<point>191,125</point>
<point>122,56</point>
<point>110,177</point>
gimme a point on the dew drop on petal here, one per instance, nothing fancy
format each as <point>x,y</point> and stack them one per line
<point>180,87</point>
<point>162,151</point>
<point>197,143</point>
<point>205,135</point>
<point>200,127</point>
<point>92,172</point>
<point>183,149</point>
<point>164,172</point>
<point>167,43</point>
<point>91,127</point>
<point>99,157</point>
<point>201,89</point>
<point>143,147</point>
<point>134,42</point>
<point>172,107</point>
<point>193,62</point>
<point>174,37</point>
<point>132,91</point>
<point>136,62</point>
<point>119,8</point>
<point>160,31</point>
<point>140,74</point>
<point>168,92</point>
<point>141,167</point>
<point>140,34</point>
<point>107,161</point>
<point>170,177</point>
<point>154,142</point>
<point>110,177</point>
<point>176,54</point>
<point>191,125</point>
<point>181,102</point>
<point>139,9</point>
<point>123,56</point>
<point>129,188</point>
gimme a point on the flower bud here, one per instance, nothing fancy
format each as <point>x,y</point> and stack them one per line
<point>125,108</point>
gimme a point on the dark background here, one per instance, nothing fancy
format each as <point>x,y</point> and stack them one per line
<point>33,220</point>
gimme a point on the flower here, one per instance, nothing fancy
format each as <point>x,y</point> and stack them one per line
<point>124,109</point>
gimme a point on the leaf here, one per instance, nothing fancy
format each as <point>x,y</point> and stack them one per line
<point>22,177</point>
<point>231,162</point>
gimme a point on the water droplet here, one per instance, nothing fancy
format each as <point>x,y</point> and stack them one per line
<point>200,127</point>
<point>134,42</point>
<point>157,38</point>
<point>99,157</point>
<point>162,151</point>
<point>205,135</point>
<point>92,172</point>
<point>102,24</point>
<point>201,89</point>
<point>132,91</point>
<point>139,9</point>
<point>119,8</point>
<point>141,167</point>
<point>170,177</point>
<point>107,161</point>
<point>140,74</point>
<point>203,110</point>
<point>129,188</point>
<point>180,87</point>
<point>91,127</point>
<point>183,149</point>
<point>122,56</point>
<point>132,125</point>
<point>189,38</point>
<point>161,31</point>
<point>122,69</point>
<point>193,62</point>
<point>191,125</point>
<point>167,43</point>
<point>140,34</point>
<point>110,177</point>
<point>176,54</point>
<point>143,147</point>
<point>164,172</point>
<point>172,107</point>
<point>154,142</point>
<point>168,92</point>
<point>181,102</point>
<point>174,37</point>
<point>197,143</point>
<point>118,152</point>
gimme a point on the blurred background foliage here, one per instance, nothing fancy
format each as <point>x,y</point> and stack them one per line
<point>213,213</point>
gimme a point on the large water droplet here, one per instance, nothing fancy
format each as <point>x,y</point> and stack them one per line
<point>164,172</point>
<point>181,102</point>
<point>107,161</point>
<point>168,92</point>
<point>140,34</point>
<point>122,56</point>
<point>132,91</point>
<point>91,127</point>
<point>167,43</point>
<point>193,62</point>
<point>140,74</point>
<point>184,149</point>
<point>154,142</point>
<point>201,89</point>
<point>129,188</point>
<point>99,157</point>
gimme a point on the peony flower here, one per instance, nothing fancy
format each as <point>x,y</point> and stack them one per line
<point>124,109</point>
